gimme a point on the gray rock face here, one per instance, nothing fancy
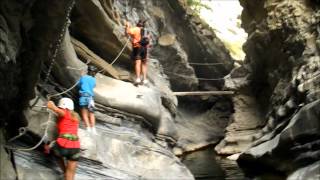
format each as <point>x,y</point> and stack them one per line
<point>94,24</point>
<point>7,169</point>
<point>282,55</point>
<point>11,65</point>
<point>246,121</point>
<point>197,131</point>
<point>125,96</point>
<point>309,172</point>
<point>245,125</point>
<point>122,149</point>
<point>47,169</point>
<point>25,42</point>
<point>130,120</point>
<point>136,125</point>
<point>99,25</point>
<point>293,147</point>
<point>167,61</point>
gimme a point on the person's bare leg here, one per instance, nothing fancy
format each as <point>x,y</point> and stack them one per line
<point>85,115</point>
<point>92,119</point>
<point>138,68</point>
<point>71,170</point>
<point>144,69</point>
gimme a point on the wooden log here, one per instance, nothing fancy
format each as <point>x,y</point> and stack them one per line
<point>85,53</point>
<point>203,93</point>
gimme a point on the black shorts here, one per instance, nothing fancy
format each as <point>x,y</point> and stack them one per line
<point>72,154</point>
<point>139,53</point>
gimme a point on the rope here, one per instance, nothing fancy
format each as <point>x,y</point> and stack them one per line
<point>126,10</point>
<point>65,91</point>
<point>79,69</point>
<point>201,79</point>
<point>125,45</point>
<point>206,64</point>
<point>39,143</point>
<point>120,52</point>
<point>23,130</point>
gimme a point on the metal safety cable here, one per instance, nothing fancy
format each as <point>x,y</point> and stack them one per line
<point>57,47</point>
<point>23,130</point>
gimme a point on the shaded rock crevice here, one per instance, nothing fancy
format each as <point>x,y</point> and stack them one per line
<point>282,54</point>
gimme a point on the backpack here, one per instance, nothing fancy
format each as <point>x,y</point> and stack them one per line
<point>144,38</point>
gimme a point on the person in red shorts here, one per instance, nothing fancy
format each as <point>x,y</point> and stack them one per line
<point>67,146</point>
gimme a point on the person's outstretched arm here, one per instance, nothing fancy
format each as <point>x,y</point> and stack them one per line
<point>128,29</point>
<point>55,109</point>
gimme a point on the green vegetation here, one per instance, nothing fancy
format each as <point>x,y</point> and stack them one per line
<point>196,5</point>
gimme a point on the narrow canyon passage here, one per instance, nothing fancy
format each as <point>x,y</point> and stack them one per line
<point>262,60</point>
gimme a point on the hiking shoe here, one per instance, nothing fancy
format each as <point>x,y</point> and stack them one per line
<point>89,130</point>
<point>94,131</point>
<point>145,81</point>
<point>138,81</point>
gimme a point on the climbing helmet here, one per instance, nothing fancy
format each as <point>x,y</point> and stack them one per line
<point>92,68</point>
<point>66,103</point>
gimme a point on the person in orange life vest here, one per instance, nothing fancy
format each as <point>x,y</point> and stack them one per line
<point>86,85</point>
<point>67,145</point>
<point>139,52</point>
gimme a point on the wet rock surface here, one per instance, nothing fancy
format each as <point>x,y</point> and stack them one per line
<point>246,121</point>
<point>137,130</point>
<point>275,107</point>
<point>308,172</point>
<point>6,165</point>
<point>124,151</point>
<point>283,56</point>
<point>294,146</point>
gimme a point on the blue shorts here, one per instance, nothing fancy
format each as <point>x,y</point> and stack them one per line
<point>87,102</point>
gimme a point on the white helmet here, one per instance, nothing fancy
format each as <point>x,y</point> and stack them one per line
<point>66,103</point>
